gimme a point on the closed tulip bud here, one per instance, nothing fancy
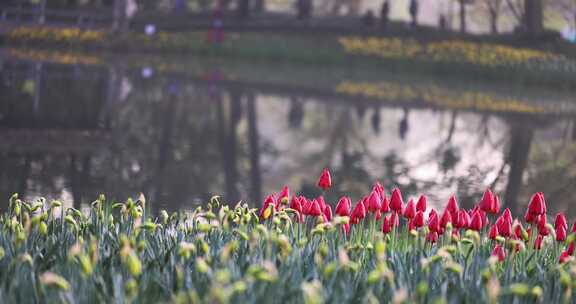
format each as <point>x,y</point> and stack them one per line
<point>432,237</point>
<point>476,221</point>
<point>343,206</point>
<point>499,252</point>
<point>396,201</point>
<point>358,213</point>
<point>386,225</point>
<point>560,221</point>
<point>452,206</point>
<point>564,257</point>
<point>434,224</point>
<point>463,219</point>
<point>537,204</point>
<point>295,204</point>
<point>325,180</point>
<point>410,210</point>
<point>419,219</point>
<point>321,202</point>
<point>328,213</point>
<point>570,248</point>
<point>385,205</point>
<point>315,209</point>
<point>560,234</point>
<point>446,218</point>
<point>43,228</point>
<point>505,227</point>
<point>422,203</point>
<point>542,227</point>
<point>538,242</point>
<point>374,202</point>
<point>493,232</point>
<point>508,215</point>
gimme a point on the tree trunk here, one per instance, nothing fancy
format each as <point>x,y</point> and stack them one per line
<point>533,16</point>
<point>493,21</point>
<point>518,159</point>
<point>462,16</point>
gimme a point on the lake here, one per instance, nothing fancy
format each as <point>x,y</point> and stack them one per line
<point>185,129</point>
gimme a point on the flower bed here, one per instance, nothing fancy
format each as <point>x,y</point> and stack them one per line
<point>293,249</point>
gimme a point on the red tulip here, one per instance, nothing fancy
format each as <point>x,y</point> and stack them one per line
<point>493,232</point>
<point>410,210</point>
<point>538,242</point>
<point>387,225</point>
<point>422,203</point>
<point>265,211</point>
<point>564,257</point>
<point>315,209</point>
<point>530,218</point>
<point>419,219</point>
<point>343,206</point>
<point>379,188</point>
<point>560,234</point>
<point>432,237</point>
<point>561,221</point>
<point>452,206</point>
<point>328,212</point>
<point>346,228</point>
<point>434,223</point>
<point>374,202</point>
<point>295,204</point>
<point>446,218</point>
<point>396,201</point>
<point>476,221</point>
<point>432,213</point>
<point>321,202</point>
<point>499,252</point>
<point>325,180</point>
<point>570,248</point>
<point>284,195</point>
<point>504,227</point>
<point>487,203</point>
<point>463,220</point>
<point>542,229</point>
<point>537,204</point>
<point>518,230</point>
<point>306,206</point>
<point>358,213</point>
<point>385,206</point>
<point>507,214</point>
<point>574,227</point>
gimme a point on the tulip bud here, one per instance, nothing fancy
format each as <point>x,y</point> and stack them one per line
<point>325,180</point>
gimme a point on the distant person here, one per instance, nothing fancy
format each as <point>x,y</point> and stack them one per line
<point>384,13</point>
<point>369,20</point>
<point>403,128</point>
<point>413,10</point>
<point>442,22</point>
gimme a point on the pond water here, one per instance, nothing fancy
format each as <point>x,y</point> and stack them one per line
<point>181,132</point>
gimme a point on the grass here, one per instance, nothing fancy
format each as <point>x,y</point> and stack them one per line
<point>292,250</point>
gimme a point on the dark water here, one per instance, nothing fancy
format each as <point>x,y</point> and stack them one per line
<point>181,134</point>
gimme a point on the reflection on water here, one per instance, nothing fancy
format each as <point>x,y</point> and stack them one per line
<point>71,132</point>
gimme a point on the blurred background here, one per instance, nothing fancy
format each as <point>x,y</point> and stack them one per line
<point>186,99</point>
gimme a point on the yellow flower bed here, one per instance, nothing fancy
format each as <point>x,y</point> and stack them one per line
<point>53,56</point>
<point>452,51</point>
<point>441,97</point>
<point>57,34</point>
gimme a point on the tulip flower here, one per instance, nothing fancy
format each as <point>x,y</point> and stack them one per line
<point>476,221</point>
<point>432,213</point>
<point>394,219</point>
<point>542,228</point>
<point>379,189</point>
<point>396,201</point>
<point>560,233</point>
<point>295,204</point>
<point>560,221</point>
<point>358,213</point>
<point>410,210</point>
<point>463,220</point>
<point>315,209</point>
<point>530,218</point>
<point>504,226</point>
<point>346,228</point>
<point>385,205</point>
<point>432,237</point>
<point>452,206</point>
<point>306,206</point>
<point>328,213</point>
<point>387,224</point>
<point>499,252</point>
<point>570,248</point>
<point>343,206</point>
<point>434,223</point>
<point>489,203</point>
<point>325,180</point>
<point>538,242</point>
<point>507,214</point>
<point>537,204</point>
<point>419,219</point>
<point>321,202</point>
<point>422,203</point>
<point>445,219</point>
<point>267,208</point>
<point>493,232</point>
<point>283,197</point>
<point>374,202</point>
<point>564,257</point>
